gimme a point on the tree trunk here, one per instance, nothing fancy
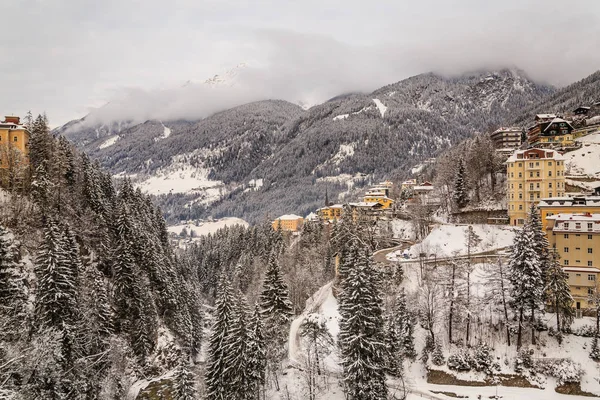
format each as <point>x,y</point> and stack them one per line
<point>505,308</point>
<point>557,315</point>
<point>520,330</point>
<point>451,316</point>
<point>468,304</point>
<point>533,324</point>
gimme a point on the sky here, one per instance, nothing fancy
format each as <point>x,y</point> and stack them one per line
<point>149,58</point>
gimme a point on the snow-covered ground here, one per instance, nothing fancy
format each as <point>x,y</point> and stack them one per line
<point>403,230</point>
<point>382,107</point>
<point>205,228</point>
<point>449,240</point>
<point>166,133</point>
<point>182,179</point>
<point>109,142</point>
<point>586,160</point>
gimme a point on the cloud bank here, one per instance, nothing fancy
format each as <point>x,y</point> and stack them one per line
<point>136,57</point>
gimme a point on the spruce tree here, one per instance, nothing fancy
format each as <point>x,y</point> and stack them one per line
<point>526,278</point>
<point>595,350</point>
<point>361,338</point>
<point>216,386</point>
<point>404,325</point>
<point>184,382</point>
<point>437,356</point>
<point>460,195</point>
<point>13,292</point>
<point>559,294</point>
<point>257,358</point>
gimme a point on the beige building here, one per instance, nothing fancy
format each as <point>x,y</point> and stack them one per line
<point>14,143</point>
<point>576,240</point>
<point>288,223</point>
<point>507,138</point>
<point>568,205</point>
<point>533,174</point>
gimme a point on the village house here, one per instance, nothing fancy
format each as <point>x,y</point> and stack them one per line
<point>288,223</point>
<point>331,213</point>
<point>568,205</point>
<point>575,238</point>
<point>378,195</point>
<point>532,175</point>
<point>555,132</point>
<point>507,138</point>
<point>14,143</point>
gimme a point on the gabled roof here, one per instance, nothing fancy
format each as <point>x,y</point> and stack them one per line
<point>289,217</point>
<point>557,121</point>
<point>544,116</point>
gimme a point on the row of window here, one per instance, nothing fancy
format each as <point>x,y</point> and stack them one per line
<point>590,277</point>
<point>537,185</point>
<point>589,250</point>
<point>590,237</point>
<point>15,139</point>
<point>537,164</point>
<point>590,225</point>
<point>537,174</point>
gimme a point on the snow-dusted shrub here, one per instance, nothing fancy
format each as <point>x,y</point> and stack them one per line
<point>460,361</point>
<point>595,351</point>
<point>483,359</point>
<point>540,325</point>
<point>428,348</point>
<point>524,360</point>
<point>564,369</point>
<point>437,356</point>
<point>585,331</point>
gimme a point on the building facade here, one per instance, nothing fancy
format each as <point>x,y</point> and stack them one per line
<point>288,223</point>
<point>550,133</point>
<point>568,205</point>
<point>575,238</point>
<point>507,138</point>
<point>14,143</point>
<point>533,174</point>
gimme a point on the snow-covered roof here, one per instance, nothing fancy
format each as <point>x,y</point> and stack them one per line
<point>553,154</point>
<point>289,217</point>
<point>337,206</point>
<point>375,194</point>
<point>557,121</point>
<point>545,116</point>
<point>508,129</point>
<point>570,201</point>
<point>581,269</point>
<point>367,204</point>
<point>312,216</point>
<point>417,188</point>
<point>575,217</point>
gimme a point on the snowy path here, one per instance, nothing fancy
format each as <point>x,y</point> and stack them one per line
<point>312,305</point>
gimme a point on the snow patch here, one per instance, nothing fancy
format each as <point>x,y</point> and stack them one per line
<point>109,142</point>
<point>345,151</point>
<point>183,179</point>
<point>382,108</point>
<point>206,228</point>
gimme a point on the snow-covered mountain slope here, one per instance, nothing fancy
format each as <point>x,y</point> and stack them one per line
<point>377,135</point>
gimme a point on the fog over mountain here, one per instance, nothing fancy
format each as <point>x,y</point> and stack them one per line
<point>138,59</point>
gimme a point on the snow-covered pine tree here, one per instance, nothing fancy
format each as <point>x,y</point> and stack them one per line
<point>595,350</point>
<point>437,355</point>
<point>405,325</point>
<point>361,338</point>
<point>237,375</point>
<point>257,358</point>
<point>13,294</point>
<point>526,277</point>
<point>559,294</point>
<point>215,367</point>
<point>56,298</point>
<point>394,354</point>
<point>460,194</point>
<point>184,381</point>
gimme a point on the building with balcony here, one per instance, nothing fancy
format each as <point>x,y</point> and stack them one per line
<point>575,238</point>
<point>532,175</point>
<point>507,138</point>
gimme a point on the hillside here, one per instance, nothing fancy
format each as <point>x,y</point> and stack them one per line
<point>345,142</point>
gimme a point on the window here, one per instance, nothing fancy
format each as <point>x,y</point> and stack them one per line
<point>589,250</point>
<point>550,194</point>
<point>577,225</point>
<point>537,163</point>
<point>566,235</point>
<point>520,186</point>
<point>531,174</point>
<point>15,139</point>
<point>531,186</point>
<point>566,262</point>
<point>590,264</point>
<point>591,277</point>
<point>590,291</point>
<point>549,173</point>
<point>520,206</point>
<point>549,163</point>
<point>577,261</point>
<point>566,225</point>
<point>590,237</point>
<point>530,165</point>
<point>520,175</point>
<point>537,174</point>
<point>566,249</point>
<point>577,274</point>
<point>550,186</point>
<point>590,226</point>
<point>520,164</point>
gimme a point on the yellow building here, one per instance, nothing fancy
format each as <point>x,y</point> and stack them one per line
<point>14,142</point>
<point>288,223</point>
<point>533,174</point>
<point>331,213</point>
<point>576,240</point>
<point>378,196</point>
<point>568,205</point>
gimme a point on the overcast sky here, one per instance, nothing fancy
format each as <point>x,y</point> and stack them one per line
<point>67,57</point>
